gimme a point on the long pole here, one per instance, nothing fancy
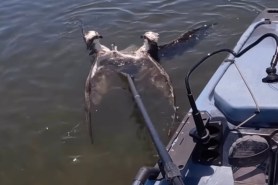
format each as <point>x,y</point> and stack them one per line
<point>171,170</point>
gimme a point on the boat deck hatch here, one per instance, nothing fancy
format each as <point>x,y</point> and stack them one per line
<point>232,96</point>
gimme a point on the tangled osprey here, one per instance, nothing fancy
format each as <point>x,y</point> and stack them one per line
<point>142,63</point>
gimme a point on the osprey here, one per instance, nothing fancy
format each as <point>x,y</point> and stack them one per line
<point>142,63</point>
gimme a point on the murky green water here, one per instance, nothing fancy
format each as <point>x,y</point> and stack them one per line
<point>43,67</point>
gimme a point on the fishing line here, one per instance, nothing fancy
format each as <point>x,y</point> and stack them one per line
<point>273,87</point>
<point>252,95</point>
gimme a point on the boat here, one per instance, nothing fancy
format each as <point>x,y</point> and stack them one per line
<point>230,134</point>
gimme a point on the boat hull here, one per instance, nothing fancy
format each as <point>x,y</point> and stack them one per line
<point>230,99</point>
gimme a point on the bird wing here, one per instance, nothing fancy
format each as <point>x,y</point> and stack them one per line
<point>183,42</point>
<point>153,73</point>
<point>97,84</point>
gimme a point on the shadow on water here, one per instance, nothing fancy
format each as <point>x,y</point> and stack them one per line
<point>43,66</point>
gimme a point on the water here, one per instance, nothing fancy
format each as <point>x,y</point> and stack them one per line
<point>43,67</point>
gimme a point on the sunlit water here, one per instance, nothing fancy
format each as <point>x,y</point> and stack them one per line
<point>43,67</point>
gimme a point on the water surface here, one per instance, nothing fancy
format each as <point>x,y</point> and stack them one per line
<point>43,67</point>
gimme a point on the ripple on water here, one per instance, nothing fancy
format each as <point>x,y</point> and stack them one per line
<point>43,67</point>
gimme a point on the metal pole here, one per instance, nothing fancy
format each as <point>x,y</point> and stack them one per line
<point>171,170</point>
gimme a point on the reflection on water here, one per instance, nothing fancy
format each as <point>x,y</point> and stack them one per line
<point>43,66</point>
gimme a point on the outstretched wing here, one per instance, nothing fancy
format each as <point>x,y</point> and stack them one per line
<point>183,42</point>
<point>95,87</point>
<point>88,111</point>
<point>154,73</point>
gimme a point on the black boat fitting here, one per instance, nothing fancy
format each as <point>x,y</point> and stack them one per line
<point>271,75</point>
